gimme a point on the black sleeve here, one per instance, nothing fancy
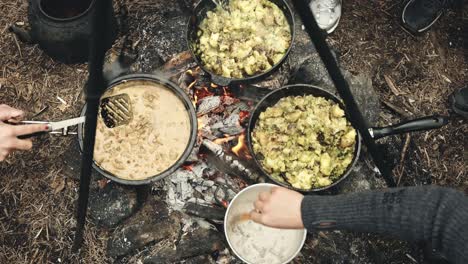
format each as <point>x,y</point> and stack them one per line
<point>433,214</point>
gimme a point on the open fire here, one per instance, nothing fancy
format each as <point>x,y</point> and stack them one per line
<point>219,165</point>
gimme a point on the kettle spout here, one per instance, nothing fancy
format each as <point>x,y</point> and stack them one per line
<point>22,34</point>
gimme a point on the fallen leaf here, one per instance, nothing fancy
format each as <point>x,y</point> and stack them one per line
<point>58,184</point>
<point>103,183</point>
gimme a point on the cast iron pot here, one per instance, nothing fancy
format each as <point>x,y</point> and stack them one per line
<point>193,133</point>
<point>199,14</point>
<point>62,28</point>
<point>425,123</point>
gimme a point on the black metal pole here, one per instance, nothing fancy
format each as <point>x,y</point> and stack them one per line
<point>93,90</point>
<point>357,120</point>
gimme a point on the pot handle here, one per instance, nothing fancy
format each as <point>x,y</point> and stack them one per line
<point>221,81</point>
<point>425,123</point>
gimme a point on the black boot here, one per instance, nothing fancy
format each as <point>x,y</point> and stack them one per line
<point>419,15</point>
<point>459,102</point>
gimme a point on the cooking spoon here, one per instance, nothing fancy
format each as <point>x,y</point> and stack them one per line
<point>240,218</point>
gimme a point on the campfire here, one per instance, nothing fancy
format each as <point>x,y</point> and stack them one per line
<point>219,166</point>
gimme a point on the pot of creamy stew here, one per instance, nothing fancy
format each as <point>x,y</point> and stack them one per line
<point>158,139</point>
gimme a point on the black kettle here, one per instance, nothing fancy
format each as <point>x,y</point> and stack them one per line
<point>63,28</point>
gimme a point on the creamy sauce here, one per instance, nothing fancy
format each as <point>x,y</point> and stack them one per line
<point>153,141</point>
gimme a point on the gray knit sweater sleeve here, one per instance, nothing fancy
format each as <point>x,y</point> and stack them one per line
<point>433,214</point>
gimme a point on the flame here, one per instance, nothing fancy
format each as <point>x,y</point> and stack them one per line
<point>200,123</point>
<point>226,139</point>
<point>241,149</point>
<point>190,86</point>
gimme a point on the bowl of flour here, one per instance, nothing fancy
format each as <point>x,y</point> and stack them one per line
<point>255,243</point>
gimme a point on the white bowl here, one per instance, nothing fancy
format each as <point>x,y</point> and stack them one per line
<point>292,240</point>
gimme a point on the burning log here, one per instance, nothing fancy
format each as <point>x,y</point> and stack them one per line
<point>203,211</point>
<point>208,104</point>
<point>233,164</point>
<point>151,224</point>
<point>175,67</point>
<point>199,242</point>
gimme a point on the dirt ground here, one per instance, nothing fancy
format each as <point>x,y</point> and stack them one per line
<point>37,204</point>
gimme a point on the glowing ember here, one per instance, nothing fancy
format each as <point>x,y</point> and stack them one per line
<point>225,203</point>
<point>188,167</point>
<point>241,149</point>
<point>243,115</point>
<point>202,93</point>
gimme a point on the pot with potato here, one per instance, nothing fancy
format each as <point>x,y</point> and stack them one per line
<point>301,137</point>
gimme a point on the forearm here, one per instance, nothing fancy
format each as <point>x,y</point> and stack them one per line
<point>433,214</point>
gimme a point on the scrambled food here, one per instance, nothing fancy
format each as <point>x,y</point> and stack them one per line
<point>154,139</point>
<point>304,140</point>
<point>246,38</point>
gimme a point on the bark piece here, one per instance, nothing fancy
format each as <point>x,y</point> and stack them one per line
<point>199,242</point>
<point>112,204</point>
<point>207,212</point>
<point>150,225</point>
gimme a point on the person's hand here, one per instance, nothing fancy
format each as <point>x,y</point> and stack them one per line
<point>9,140</point>
<point>280,208</point>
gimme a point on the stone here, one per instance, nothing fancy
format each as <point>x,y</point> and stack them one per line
<point>365,95</point>
<point>112,204</point>
<point>347,247</point>
<point>201,241</point>
<point>200,260</point>
<point>165,24</point>
<point>72,163</point>
<point>361,178</point>
<point>312,71</point>
<point>151,224</point>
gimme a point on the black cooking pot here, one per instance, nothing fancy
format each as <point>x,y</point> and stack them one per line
<point>193,122</point>
<point>199,14</point>
<point>62,28</point>
<point>272,98</point>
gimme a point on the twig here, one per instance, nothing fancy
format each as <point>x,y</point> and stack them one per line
<point>398,110</point>
<point>392,86</point>
<point>18,46</point>
<point>402,156</point>
<point>427,157</point>
<point>411,258</point>
<point>40,111</point>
